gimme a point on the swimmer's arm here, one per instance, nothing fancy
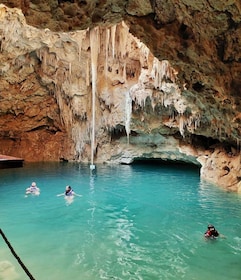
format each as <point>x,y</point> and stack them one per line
<point>61,194</point>
<point>77,194</point>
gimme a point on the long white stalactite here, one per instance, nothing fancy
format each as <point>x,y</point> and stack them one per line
<point>94,49</point>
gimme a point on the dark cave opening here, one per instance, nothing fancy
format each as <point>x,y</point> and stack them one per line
<point>203,141</point>
<point>167,163</point>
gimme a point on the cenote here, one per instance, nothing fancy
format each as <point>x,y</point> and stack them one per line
<point>143,221</point>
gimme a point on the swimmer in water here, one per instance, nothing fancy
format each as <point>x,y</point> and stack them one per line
<point>211,232</point>
<point>69,192</point>
<point>33,189</point>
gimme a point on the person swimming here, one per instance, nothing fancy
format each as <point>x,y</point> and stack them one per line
<point>33,189</point>
<point>69,191</point>
<point>211,232</point>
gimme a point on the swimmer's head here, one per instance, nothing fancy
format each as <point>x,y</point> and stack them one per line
<point>33,184</point>
<point>211,227</point>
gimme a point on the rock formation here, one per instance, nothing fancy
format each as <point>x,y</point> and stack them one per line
<point>100,81</point>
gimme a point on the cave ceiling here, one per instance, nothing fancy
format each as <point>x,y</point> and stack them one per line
<point>202,39</point>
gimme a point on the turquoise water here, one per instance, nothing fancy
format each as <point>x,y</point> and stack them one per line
<point>132,222</point>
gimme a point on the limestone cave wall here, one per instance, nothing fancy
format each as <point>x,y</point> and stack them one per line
<point>111,81</point>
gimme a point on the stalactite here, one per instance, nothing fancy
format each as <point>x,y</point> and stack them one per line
<point>60,103</point>
<point>191,123</point>
<point>94,49</point>
<point>164,69</point>
<point>107,41</point>
<point>238,144</point>
<point>197,121</point>
<point>155,73</point>
<point>53,60</point>
<point>144,57</point>
<point>124,32</point>
<point>139,94</point>
<point>161,70</point>
<point>124,72</point>
<point>182,125</point>
<point>113,35</point>
<point>153,103</point>
<point>87,79</point>
<point>81,35</point>
<point>64,77</point>
<point>128,112</point>
<point>167,71</point>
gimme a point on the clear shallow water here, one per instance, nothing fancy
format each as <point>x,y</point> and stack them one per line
<point>132,222</point>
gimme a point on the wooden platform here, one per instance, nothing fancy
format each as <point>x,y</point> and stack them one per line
<point>10,162</point>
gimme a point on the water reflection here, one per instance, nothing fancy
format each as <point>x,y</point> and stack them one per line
<point>92,202</point>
